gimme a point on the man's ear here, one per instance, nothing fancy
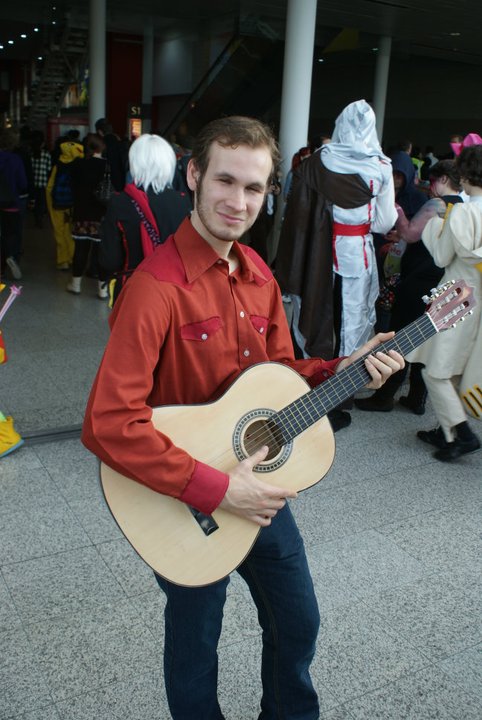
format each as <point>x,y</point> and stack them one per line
<point>192,175</point>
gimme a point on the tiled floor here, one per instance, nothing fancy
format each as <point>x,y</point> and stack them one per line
<point>392,535</point>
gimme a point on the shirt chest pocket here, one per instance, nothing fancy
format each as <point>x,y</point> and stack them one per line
<point>259,323</point>
<point>201,331</point>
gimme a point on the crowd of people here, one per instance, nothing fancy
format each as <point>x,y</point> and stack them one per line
<point>197,299</point>
<point>351,233</point>
<point>374,264</point>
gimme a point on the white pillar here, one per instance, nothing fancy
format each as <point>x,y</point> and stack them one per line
<point>296,91</point>
<point>97,31</point>
<point>147,70</point>
<point>381,82</point>
<point>297,72</point>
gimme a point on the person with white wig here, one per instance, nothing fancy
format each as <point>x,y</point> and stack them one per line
<point>339,196</point>
<point>145,213</point>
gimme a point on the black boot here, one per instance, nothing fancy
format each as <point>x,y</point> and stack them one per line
<point>465,442</point>
<point>414,402</point>
<point>433,437</point>
<point>339,419</point>
<point>382,400</point>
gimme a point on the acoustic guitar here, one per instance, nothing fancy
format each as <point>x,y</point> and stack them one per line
<point>268,404</point>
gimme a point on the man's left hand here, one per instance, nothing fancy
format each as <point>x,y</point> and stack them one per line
<point>379,365</point>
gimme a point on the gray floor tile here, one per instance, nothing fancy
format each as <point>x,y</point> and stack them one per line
<point>61,584</point>
<point>364,563</point>
<point>34,417</point>
<point>240,617</point>
<point>42,713</point>
<point>94,516</point>
<point>130,571</point>
<point>21,462</point>
<point>239,679</point>
<point>345,510</point>
<point>437,617</point>
<point>440,540</point>
<point>9,616</point>
<point>149,607</point>
<point>357,652</point>
<point>22,685</point>
<point>425,695</point>
<point>339,713</point>
<point>35,520</point>
<point>93,649</point>
<point>142,697</point>
<point>465,670</point>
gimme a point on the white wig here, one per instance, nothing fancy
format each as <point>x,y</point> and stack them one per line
<point>152,162</point>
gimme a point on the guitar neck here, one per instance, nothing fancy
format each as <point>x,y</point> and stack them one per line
<point>311,407</point>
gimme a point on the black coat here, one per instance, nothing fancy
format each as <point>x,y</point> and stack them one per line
<point>120,250</point>
<point>304,262</point>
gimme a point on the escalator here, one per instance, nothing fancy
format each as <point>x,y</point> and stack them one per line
<point>245,79</point>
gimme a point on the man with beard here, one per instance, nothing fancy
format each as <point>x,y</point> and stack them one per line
<point>190,319</point>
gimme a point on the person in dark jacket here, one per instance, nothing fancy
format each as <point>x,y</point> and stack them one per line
<point>113,152</point>
<point>14,187</point>
<point>87,173</point>
<point>147,205</point>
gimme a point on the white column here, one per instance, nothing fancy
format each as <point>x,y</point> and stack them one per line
<point>97,31</point>
<point>381,82</point>
<point>296,90</point>
<point>147,70</point>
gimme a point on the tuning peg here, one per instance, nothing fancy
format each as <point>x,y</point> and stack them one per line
<point>426,299</point>
<point>434,291</point>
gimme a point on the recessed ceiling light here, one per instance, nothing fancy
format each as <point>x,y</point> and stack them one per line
<point>321,59</point>
<point>455,34</point>
<point>35,29</point>
<point>23,35</point>
<point>10,42</point>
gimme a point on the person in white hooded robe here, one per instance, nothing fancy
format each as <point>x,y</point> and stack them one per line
<point>326,264</point>
<point>355,149</point>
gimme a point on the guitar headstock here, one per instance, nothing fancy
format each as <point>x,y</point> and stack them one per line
<point>450,303</point>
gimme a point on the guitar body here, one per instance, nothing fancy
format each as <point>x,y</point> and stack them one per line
<point>163,530</point>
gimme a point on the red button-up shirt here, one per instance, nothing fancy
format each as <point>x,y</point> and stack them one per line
<point>182,330</point>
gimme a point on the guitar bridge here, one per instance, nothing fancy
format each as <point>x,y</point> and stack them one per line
<point>206,522</point>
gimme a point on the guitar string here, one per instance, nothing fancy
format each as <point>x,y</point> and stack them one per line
<point>335,388</point>
<point>404,341</point>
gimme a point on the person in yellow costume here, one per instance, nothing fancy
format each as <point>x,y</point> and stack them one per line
<point>10,440</point>
<point>62,217</point>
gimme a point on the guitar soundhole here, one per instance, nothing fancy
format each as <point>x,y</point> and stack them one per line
<point>263,432</point>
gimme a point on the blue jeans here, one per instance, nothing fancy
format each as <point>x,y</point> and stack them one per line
<point>279,580</point>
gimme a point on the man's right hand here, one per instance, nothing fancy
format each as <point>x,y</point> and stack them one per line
<point>251,498</point>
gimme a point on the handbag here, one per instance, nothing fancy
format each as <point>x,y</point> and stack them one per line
<point>104,189</point>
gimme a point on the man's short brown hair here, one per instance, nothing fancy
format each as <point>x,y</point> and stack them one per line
<point>232,132</point>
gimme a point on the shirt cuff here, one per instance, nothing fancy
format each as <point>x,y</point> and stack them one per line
<point>326,371</point>
<point>206,488</point>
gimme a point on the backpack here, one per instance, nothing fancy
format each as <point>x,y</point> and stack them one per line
<point>104,189</point>
<point>62,192</point>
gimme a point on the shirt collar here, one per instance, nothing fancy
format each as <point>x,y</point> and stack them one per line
<point>198,256</point>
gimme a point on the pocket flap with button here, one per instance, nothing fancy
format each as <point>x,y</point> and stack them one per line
<point>260,323</point>
<point>201,330</point>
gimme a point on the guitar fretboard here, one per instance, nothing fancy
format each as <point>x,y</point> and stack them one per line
<point>299,415</point>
